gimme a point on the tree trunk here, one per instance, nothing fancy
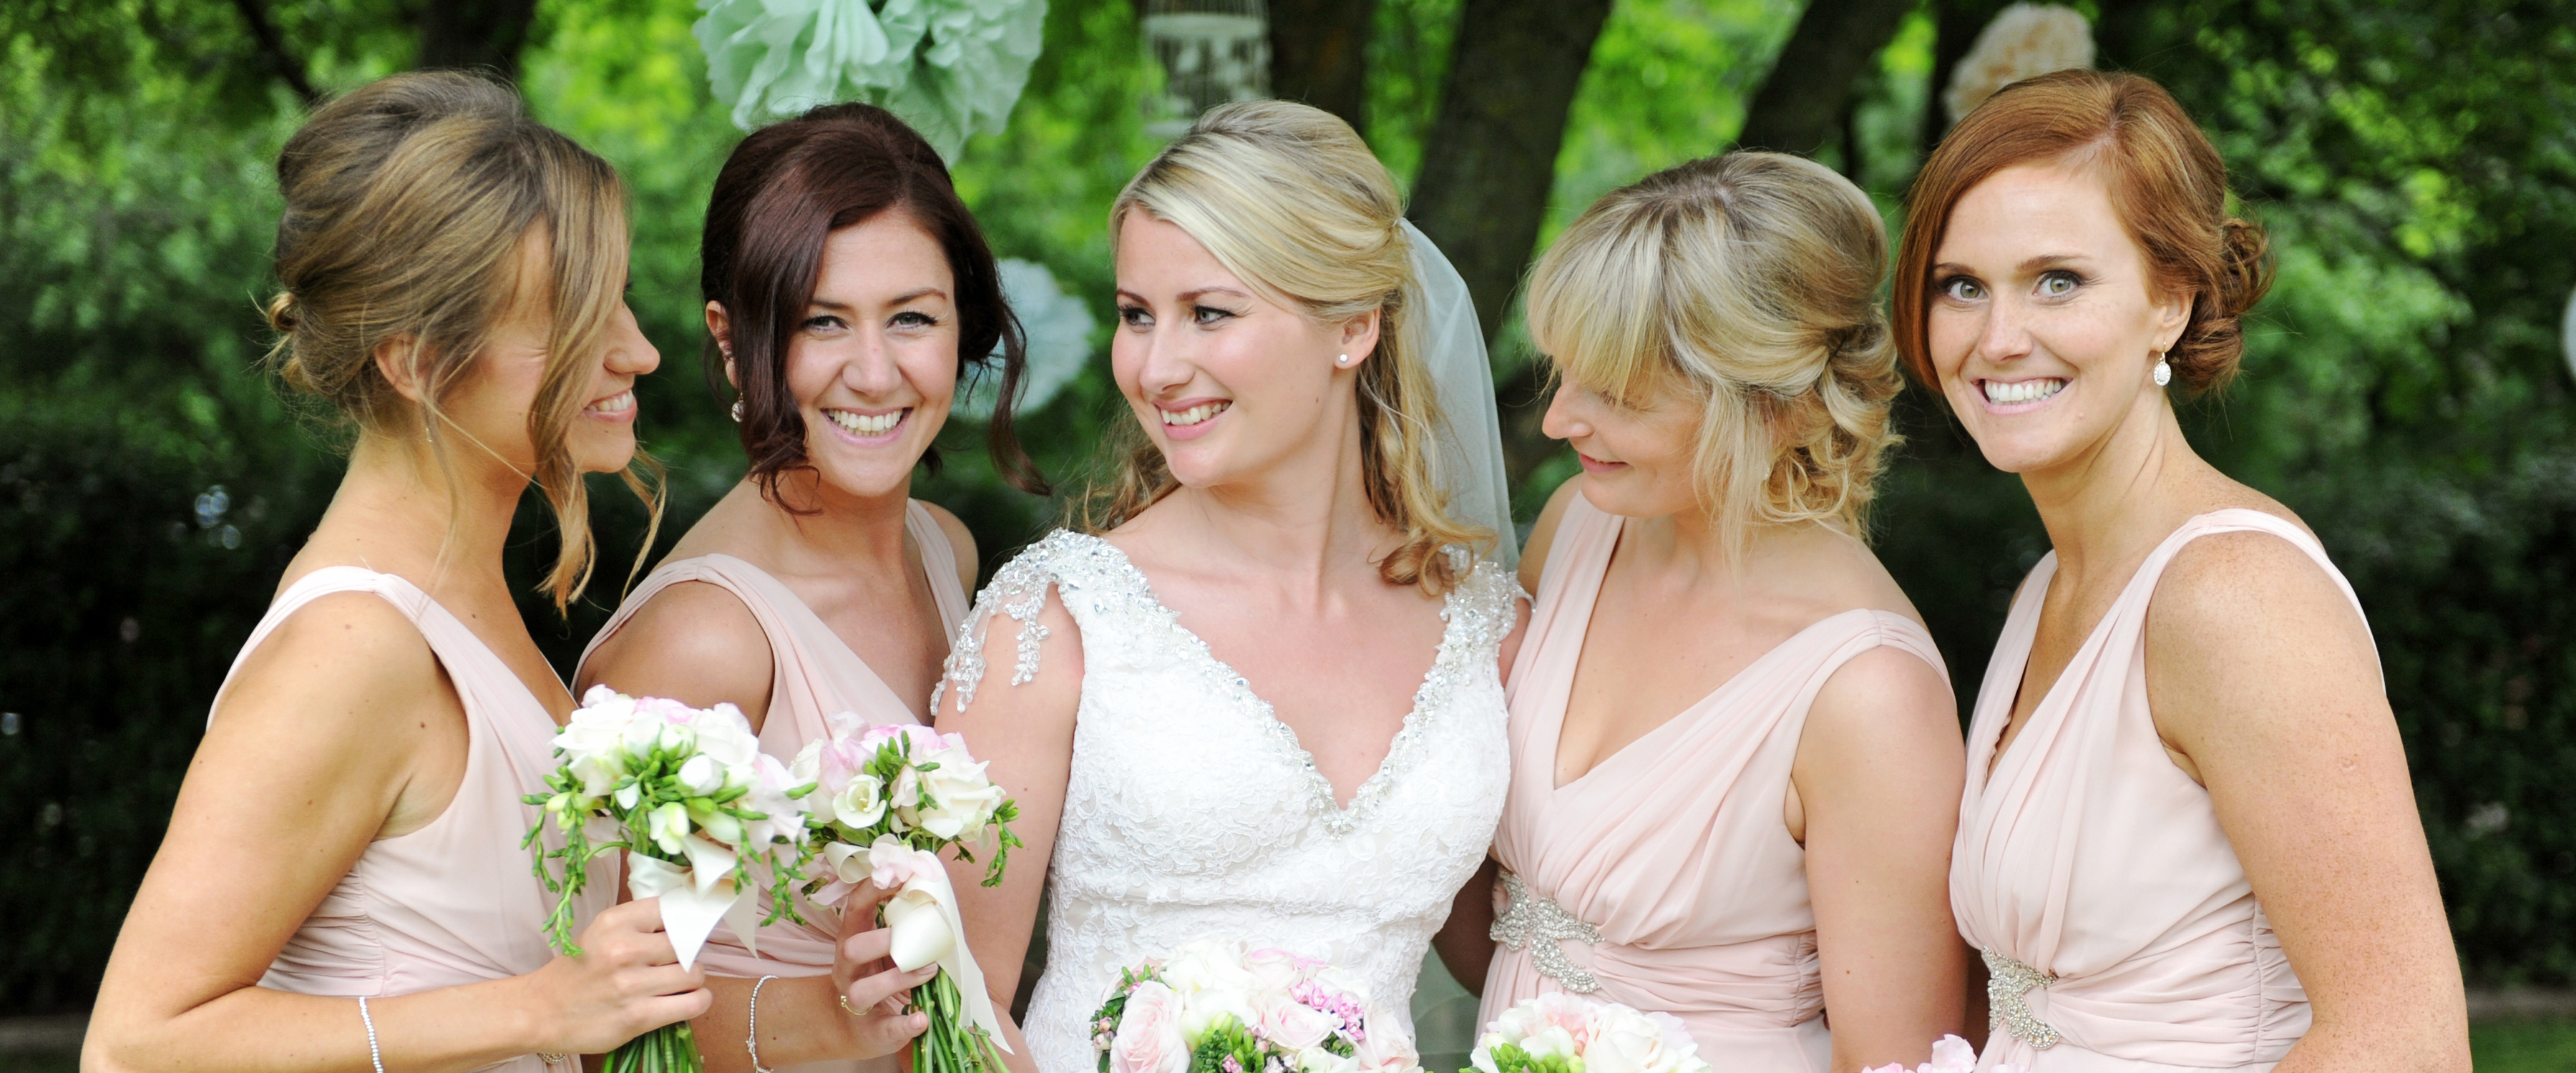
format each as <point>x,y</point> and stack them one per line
<point>1800,106</point>
<point>1955,25</point>
<point>484,34</point>
<point>1490,160</point>
<point>1319,54</point>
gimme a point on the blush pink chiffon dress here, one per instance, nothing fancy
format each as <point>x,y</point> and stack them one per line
<point>1665,877</point>
<point>454,902</point>
<point>2118,925</point>
<point>814,675</point>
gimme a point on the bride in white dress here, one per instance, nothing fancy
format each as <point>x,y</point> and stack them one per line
<point>1261,698</point>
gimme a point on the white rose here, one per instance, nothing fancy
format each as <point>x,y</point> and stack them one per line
<point>1209,1007</point>
<point>1387,1049</point>
<point>861,802</point>
<point>1319,1060</point>
<point>1204,964</point>
<point>1625,1041</point>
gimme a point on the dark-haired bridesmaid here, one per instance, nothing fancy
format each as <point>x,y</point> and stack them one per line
<point>849,296</point>
<point>342,886</point>
<point>2188,840</point>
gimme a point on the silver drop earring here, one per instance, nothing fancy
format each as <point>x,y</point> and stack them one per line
<point>737,411</point>
<point>2164,371</point>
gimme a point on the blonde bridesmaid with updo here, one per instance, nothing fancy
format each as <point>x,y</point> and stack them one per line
<point>2188,840</point>
<point>342,887</point>
<point>1734,746</point>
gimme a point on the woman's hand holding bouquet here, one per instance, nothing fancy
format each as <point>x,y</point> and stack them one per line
<point>887,801</point>
<point>706,819</point>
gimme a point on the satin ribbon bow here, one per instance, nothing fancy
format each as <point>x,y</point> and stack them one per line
<point>694,897</point>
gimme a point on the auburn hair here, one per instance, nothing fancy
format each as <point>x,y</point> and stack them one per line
<point>777,200</point>
<point>2166,183</point>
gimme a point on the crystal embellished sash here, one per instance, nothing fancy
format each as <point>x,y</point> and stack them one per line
<point>2008,986</point>
<point>1534,922</point>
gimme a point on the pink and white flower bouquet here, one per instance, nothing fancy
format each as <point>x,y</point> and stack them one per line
<point>887,801</point>
<point>708,822</point>
<point>1214,1007</point>
<point>1559,1033</point>
<point>1951,1055</point>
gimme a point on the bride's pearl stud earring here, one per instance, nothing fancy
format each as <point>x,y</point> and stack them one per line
<point>2164,371</point>
<point>1343,360</point>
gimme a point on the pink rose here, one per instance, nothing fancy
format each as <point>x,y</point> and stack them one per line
<point>1384,1049</point>
<point>892,865</point>
<point>1149,1033</point>
<point>1293,1025</point>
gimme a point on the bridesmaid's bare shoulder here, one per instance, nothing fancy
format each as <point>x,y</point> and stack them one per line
<point>1543,532</point>
<point>693,642</point>
<point>961,543</point>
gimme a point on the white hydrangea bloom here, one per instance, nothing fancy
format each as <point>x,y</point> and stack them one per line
<point>951,68</point>
<point>1059,329</point>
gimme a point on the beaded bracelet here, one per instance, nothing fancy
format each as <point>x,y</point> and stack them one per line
<point>750,1039</point>
<point>368,1019</point>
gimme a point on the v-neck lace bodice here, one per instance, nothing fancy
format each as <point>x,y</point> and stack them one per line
<point>1192,811</point>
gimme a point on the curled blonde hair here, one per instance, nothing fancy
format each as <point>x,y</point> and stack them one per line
<point>1751,280</point>
<point>1291,201</point>
<point>408,202</point>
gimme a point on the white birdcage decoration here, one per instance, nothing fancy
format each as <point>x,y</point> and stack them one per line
<point>1211,52</point>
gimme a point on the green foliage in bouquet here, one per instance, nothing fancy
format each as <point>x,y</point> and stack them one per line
<point>1509,1058</point>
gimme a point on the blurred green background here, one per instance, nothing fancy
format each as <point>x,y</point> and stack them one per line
<point>2415,161</point>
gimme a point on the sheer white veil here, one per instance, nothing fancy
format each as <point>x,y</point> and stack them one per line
<point>1469,442</point>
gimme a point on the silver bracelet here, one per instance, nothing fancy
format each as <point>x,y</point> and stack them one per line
<point>369,1019</point>
<point>750,1039</point>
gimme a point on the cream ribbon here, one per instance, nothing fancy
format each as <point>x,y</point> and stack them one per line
<point>927,929</point>
<point>695,897</point>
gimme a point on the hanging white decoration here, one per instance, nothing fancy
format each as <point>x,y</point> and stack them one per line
<point>1059,336</point>
<point>1211,51</point>
<point>2567,334</point>
<point>2024,41</point>
<point>951,68</point>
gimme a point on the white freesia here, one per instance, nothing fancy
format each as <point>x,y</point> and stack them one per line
<point>702,775</point>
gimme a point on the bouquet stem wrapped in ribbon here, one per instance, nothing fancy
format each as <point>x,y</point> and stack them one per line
<point>889,799</point>
<point>707,820</point>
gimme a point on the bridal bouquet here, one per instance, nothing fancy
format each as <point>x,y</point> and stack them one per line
<point>707,821</point>
<point>888,800</point>
<point>1558,1033</point>
<point>1212,1007</point>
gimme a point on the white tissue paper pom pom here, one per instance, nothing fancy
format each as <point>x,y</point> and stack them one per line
<point>950,68</point>
<point>2024,41</point>
<point>1059,336</point>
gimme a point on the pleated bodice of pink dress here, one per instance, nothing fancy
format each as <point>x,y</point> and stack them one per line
<point>2093,871</point>
<point>814,675</point>
<point>1674,850</point>
<point>454,902</point>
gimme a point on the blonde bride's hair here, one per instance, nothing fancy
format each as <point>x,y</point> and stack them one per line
<point>1290,200</point>
<point>1749,281</point>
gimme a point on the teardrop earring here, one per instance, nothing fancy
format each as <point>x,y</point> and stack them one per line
<point>737,411</point>
<point>2164,371</point>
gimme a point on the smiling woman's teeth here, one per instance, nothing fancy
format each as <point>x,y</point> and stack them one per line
<point>2001,393</point>
<point>1195,414</point>
<point>867,424</point>
<point>617,403</point>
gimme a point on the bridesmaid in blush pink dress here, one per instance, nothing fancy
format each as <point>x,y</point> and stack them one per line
<point>2188,839</point>
<point>1734,746</point>
<point>844,282</point>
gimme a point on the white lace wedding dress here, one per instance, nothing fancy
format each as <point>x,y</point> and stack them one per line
<point>1193,812</point>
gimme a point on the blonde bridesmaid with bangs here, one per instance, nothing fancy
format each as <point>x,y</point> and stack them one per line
<point>1735,753</point>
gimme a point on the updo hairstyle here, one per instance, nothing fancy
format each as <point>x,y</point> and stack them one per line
<point>406,205</point>
<point>1749,282</point>
<point>1292,202</point>
<point>2166,182</point>
<point>778,199</point>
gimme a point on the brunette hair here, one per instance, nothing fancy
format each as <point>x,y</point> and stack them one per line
<point>780,196</point>
<point>1751,281</point>
<point>408,203</point>
<point>1291,201</point>
<point>2166,182</point>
